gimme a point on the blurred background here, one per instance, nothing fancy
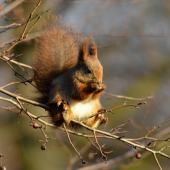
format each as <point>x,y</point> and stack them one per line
<point>133,39</point>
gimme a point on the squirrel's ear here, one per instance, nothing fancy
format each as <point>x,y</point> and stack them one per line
<point>93,47</point>
<point>83,51</point>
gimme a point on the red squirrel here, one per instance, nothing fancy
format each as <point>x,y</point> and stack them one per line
<point>68,74</point>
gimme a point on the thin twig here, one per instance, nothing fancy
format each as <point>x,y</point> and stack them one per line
<point>66,149</point>
<point>19,75</point>
<point>30,16</point>
<point>10,84</point>
<point>125,140</point>
<point>157,161</point>
<point>127,97</point>
<point>114,162</point>
<point>103,156</point>
<point>16,62</point>
<point>22,108</point>
<point>127,105</point>
<point>10,7</point>
<point>46,137</point>
<point>35,23</point>
<point>9,26</point>
<point>75,158</point>
<point>49,124</point>
<point>23,33</point>
<point>106,134</point>
<point>82,160</point>
<point>12,41</point>
<point>102,111</point>
<point>14,26</point>
<point>24,99</point>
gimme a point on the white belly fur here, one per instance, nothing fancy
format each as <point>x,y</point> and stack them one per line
<point>83,109</point>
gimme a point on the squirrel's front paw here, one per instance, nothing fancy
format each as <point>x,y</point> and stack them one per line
<point>98,87</point>
<point>65,110</point>
<point>104,120</point>
<point>59,103</point>
<point>102,87</point>
<point>63,103</point>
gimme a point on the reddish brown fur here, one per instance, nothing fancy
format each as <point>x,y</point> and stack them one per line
<point>93,48</point>
<point>61,61</point>
<point>84,47</point>
<point>56,113</point>
<point>45,64</point>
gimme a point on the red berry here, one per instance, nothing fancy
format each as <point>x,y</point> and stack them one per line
<point>35,125</point>
<point>43,147</point>
<point>138,155</point>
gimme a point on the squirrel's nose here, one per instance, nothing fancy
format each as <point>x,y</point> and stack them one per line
<point>99,82</point>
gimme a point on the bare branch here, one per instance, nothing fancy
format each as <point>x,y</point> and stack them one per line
<point>103,156</point>
<point>108,135</point>
<point>10,7</point>
<point>24,99</point>
<point>127,97</point>
<point>157,161</point>
<point>16,62</point>
<point>9,26</point>
<point>82,160</point>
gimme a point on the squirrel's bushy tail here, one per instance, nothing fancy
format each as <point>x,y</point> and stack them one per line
<point>56,51</point>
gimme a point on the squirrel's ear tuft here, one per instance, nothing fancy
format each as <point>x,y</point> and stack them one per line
<point>93,47</point>
<point>83,50</point>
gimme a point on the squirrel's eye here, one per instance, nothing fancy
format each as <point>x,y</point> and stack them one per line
<point>89,71</point>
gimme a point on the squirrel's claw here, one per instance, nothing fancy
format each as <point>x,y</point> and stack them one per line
<point>64,103</point>
<point>59,103</point>
<point>105,120</point>
<point>98,87</point>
